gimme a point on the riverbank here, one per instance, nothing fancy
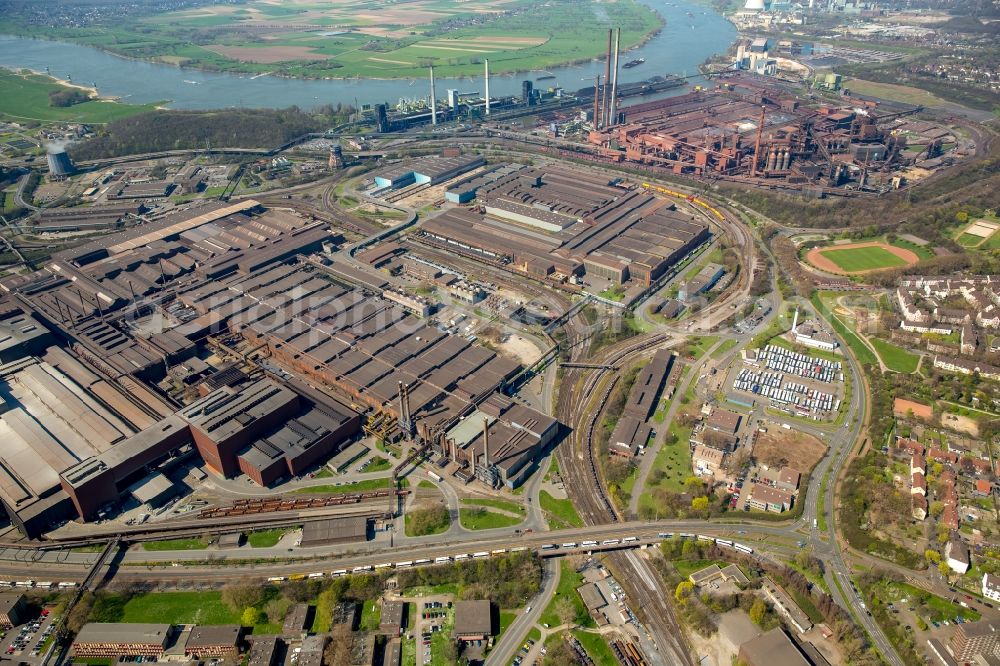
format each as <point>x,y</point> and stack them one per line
<point>522,36</point>
<point>674,49</point>
<point>26,98</point>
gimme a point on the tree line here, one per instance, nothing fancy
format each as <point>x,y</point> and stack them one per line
<point>163,130</point>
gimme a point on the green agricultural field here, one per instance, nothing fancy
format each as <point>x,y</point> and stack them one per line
<point>359,38</point>
<point>26,97</point>
<point>858,259</point>
<point>894,357</point>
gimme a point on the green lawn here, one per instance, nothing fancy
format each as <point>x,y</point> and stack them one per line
<point>858,259</point>
<point>426,521</point>
<point>687,567</point>
<point>356,487</point>
<point>371,616</point>
<point>378,464</point>
<point>700,345</point>
<point>175,544</point>
<point>569,580</point>
<point>721,350</point>
<point>26,97</point>
<point>561,512</point>
<point>186,608</point>
<point>266,538</point>
<point>969,240</point>
<point>507,617</point>
<point>484,519</point>
<point>895,358</point>
<point>503,505</point>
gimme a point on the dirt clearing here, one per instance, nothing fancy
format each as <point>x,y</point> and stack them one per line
<point>779,447</point>
<point>902,406</point>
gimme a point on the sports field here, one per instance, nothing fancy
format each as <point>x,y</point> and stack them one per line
<point>860,257</point>
<point>370,38</point>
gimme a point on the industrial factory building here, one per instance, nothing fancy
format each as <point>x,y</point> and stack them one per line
<point>558,222</point>
<point>749,128</point>
<point>633,430</point>
<point>426,171</point>
<point>84,427</point>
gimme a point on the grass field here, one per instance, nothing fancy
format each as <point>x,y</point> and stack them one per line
<point>358,38</point>
<point>175,544</point>
<point>561,512</point>
<point>891,91</point>
<point>894,357</point>
<point>266,538</point>
<point>26,97</point>
<point>852,260</point>
<point>597,648</point>
<point>186,608</point>
<point>859,348</point>
<point>484,519</point>
<point>503,505</point>
<point>356,487</point>
<point>569,580</point>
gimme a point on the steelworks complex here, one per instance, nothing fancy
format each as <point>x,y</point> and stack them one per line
<point>89,343</point>
<point>749,128</point>
<point>563,224</point>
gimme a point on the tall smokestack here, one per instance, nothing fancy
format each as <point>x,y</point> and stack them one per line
<point>486,443</point>
<point>613,103</point>
<point>607,81</point>
<point>597,104</point>
<point>434,115</point>
<point>756,145</point>
<point>487,86</point>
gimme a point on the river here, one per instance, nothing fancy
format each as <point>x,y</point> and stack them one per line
<point>683,44</point>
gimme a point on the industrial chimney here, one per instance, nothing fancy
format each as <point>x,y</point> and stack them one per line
<point>434,115</point>
<point>487,86</point>
<point>606,92</point>
<point>613,116</point>
<point>486,443</point>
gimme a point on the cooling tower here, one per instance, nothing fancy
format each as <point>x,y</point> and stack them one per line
<point>60,165</point>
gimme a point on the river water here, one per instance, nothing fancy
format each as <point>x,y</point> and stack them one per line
<point>684,43</point>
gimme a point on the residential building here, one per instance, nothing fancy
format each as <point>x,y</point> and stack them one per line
<point>991,587</point>
<point>102,640</point>
<point>956,554</point>
<point>974,639</point>
<point>214,642</point>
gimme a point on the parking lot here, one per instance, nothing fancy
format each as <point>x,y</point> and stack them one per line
<point>29,642</point>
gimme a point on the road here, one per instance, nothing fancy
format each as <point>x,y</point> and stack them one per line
<point>512,639</point>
